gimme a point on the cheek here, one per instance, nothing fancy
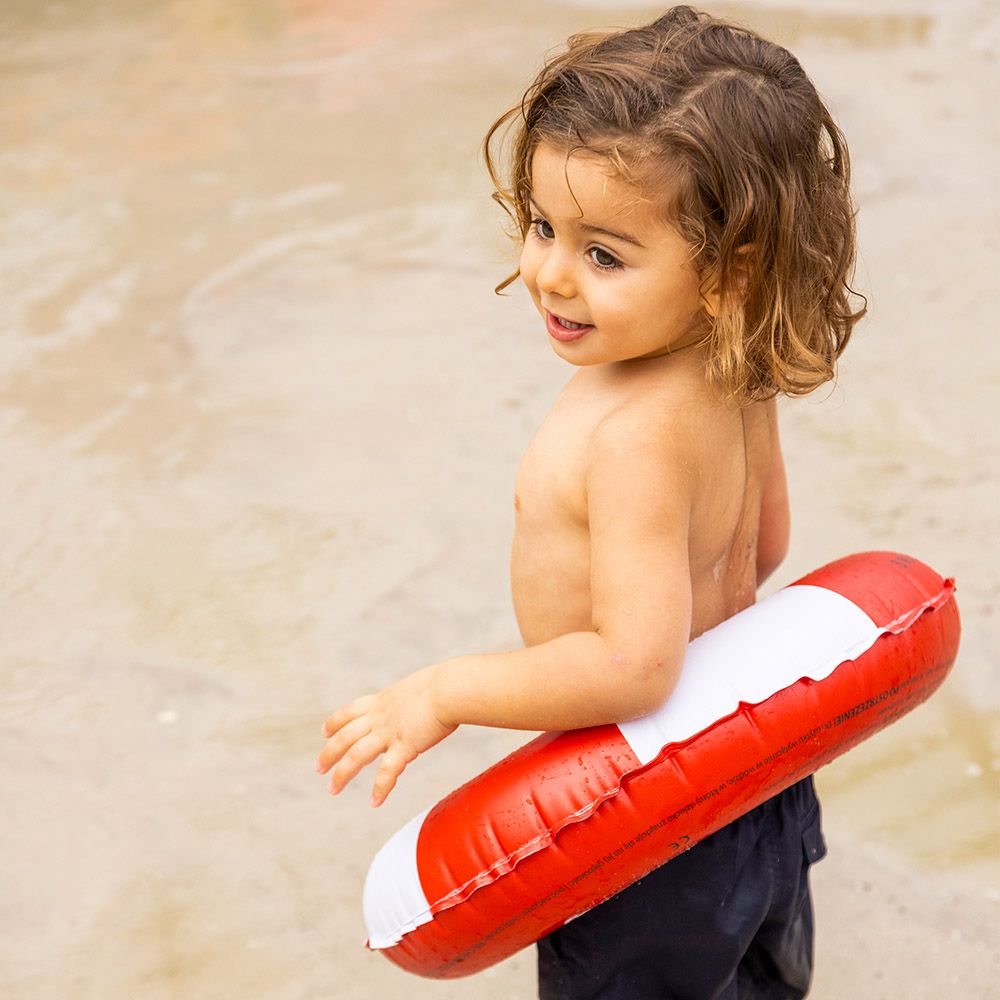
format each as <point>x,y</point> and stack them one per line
<point>676,294</point>
<point>528,268</point>
<point>615,304</point>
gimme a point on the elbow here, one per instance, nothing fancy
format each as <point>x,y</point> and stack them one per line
<point>770,554</point>
<point>765,567</point>
<point>646,685</point>
<point>772,544</point>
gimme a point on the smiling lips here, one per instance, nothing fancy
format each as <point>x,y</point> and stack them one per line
<point>565,330</point>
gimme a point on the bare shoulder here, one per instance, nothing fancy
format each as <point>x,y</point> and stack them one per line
<point>668,420</point>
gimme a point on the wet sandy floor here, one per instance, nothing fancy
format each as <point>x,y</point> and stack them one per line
<point>259,417</point>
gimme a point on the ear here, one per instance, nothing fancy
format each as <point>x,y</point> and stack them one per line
<point>738,282</point>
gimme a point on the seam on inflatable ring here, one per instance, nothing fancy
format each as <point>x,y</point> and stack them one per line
<point>509,863</point>
<point>905,620</point>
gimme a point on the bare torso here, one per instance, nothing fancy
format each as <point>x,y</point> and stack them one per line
<point>550,564</point>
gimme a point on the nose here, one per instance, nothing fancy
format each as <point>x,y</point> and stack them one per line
<point>555,273</point>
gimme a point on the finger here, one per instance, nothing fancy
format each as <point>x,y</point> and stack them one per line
<point>361,753</point>
<point>338,745</point>
<point>392,765</point>
<point>345,714</point>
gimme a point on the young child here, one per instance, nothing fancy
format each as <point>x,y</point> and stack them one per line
<point>681,194</point>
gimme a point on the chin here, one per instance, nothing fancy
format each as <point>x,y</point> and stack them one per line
<point>577,358</point>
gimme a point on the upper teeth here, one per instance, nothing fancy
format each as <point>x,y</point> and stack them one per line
<point>571,325</point>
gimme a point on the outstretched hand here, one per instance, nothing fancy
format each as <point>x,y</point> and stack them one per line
<point>398,724</point>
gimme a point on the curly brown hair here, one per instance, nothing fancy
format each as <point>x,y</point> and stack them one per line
<point>757,172</point>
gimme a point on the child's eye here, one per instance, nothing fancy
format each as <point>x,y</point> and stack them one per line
<point>542,229</point>
<point>603,259</point>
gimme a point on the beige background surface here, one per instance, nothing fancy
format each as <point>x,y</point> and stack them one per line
<point>259,417</point>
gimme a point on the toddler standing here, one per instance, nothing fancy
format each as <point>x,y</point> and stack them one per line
<point>681,194</point>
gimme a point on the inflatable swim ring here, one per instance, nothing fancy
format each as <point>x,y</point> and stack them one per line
<point>571,818</point>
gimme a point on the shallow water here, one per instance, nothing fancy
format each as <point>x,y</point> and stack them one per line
<point>259,416</point>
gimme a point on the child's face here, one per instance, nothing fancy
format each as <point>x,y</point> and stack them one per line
<point>612,280</point>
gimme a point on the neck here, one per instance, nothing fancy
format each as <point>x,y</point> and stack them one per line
<point>685,344</point>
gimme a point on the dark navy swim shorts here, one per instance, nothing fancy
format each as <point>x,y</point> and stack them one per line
<point>730,919</point>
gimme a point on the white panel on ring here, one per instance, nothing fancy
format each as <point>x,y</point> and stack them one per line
<point>800,631</point>
<point>394,900</point>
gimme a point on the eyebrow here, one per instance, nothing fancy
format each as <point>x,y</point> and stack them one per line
<point>614,233</point>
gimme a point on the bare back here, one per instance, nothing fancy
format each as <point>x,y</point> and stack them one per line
<point>731,453</point>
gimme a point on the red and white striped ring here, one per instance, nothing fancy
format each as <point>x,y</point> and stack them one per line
<point>572,818</point>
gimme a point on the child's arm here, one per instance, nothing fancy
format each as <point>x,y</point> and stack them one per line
<point>772,538</point>
<point>639,500</point>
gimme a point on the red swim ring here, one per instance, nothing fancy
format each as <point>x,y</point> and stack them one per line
<point>572,818</point>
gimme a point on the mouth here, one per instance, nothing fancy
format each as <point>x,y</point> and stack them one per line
<point>565,330</point>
